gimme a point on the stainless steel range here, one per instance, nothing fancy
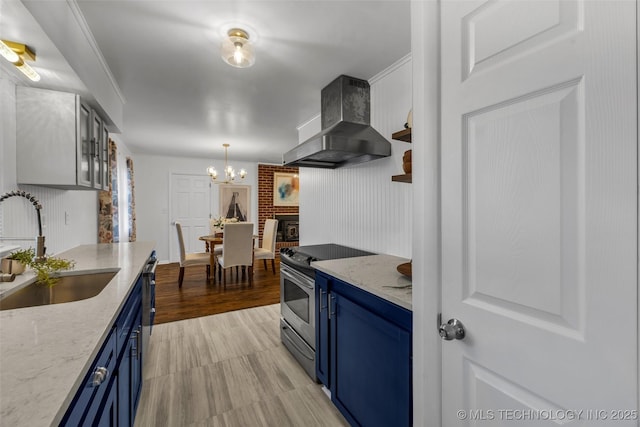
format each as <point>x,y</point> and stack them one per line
<point>297,298</point>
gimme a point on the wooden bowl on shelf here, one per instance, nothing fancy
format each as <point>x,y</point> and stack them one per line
<point>406,161</point>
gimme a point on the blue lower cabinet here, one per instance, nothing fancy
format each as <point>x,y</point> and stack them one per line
<point>130,373</point>
<point>322,329</point>
<point>367,349</point>
<point>96,387</point>
<point>108,414</point>
<point>111,390</point>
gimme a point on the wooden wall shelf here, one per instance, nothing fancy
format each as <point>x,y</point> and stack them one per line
<point>402,135</point>
<point>402,178</point>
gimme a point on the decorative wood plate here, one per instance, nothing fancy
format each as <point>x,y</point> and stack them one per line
<point>405,269</point>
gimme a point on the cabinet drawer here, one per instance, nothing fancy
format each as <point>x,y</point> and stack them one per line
<point>88,400</point>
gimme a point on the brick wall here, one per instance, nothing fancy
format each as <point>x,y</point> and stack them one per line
<point>266,209</point>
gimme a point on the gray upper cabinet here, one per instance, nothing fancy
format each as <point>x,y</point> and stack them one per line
<point>61,142</point>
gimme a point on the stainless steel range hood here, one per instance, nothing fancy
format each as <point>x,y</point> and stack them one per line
<point>346,137</point>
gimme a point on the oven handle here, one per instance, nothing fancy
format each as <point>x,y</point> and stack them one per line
<point>301,351</point>
<point>297,277</point>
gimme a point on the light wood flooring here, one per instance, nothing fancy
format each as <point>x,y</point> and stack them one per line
<point>228,370</point>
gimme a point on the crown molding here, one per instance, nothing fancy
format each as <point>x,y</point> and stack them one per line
<point>390,69</point>
<point>86,31</point>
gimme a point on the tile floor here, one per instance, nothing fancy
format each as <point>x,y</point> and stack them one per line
<point>227,370</point>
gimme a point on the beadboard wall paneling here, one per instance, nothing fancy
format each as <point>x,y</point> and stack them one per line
<point>359,205</point>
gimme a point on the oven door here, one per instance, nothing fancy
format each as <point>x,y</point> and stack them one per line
<point>297,303</point>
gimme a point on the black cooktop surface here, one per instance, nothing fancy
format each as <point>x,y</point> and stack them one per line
<point>328,251</point>
<point>300,257</point>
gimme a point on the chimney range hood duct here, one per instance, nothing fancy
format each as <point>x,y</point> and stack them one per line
<point>346,137</point>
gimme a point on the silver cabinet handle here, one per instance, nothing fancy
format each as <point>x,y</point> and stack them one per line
<point>452,330</point>
<point>135,349</point>
<point>322,307</point>
<point>138,339</point>
<point>99,375</point>
<point>332,305</point>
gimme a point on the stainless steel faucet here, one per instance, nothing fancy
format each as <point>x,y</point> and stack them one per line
<point>40,248</point>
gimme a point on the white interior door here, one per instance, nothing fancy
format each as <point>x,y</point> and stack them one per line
<point>539,212</point>
<point>191,206</point>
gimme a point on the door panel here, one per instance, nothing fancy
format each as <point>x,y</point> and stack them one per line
<point>497,31</point>
<point>539,207</point>
<point>526,156</point>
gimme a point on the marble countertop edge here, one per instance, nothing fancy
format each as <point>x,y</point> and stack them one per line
<point>46,351</point>
<point>376,274</point>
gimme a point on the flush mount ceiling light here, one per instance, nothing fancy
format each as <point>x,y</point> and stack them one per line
<point>237,50</point>
<point>229,172</point>
<point>17,53</point>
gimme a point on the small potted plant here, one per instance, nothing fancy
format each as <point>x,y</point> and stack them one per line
<point>45,270</point>
<point>17,261</point>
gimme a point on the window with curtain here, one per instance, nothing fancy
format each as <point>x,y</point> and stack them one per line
<point>131,203</point>
<point>108,201</point>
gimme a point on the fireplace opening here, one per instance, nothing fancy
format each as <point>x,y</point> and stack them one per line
<point>288,228</point>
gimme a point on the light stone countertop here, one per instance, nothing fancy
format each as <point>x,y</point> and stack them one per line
<point>376,274</point>
<point>46,351</point>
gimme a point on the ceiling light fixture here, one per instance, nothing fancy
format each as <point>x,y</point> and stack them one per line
<point>17,53</point>
<point>237,50</point>
<point>229,172</point>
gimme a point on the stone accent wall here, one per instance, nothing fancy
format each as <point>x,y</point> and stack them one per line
<point>266,209</point>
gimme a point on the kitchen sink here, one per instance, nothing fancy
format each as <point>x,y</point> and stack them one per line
<point>70,287</point>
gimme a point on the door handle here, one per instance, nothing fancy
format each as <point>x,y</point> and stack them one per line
<point>452,330</point>
<point>322,306</point>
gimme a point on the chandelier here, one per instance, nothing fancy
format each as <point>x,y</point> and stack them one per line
<point>229,172</point>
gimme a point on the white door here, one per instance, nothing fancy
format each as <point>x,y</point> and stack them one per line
<point>539,196</point>
<point>191,206</point>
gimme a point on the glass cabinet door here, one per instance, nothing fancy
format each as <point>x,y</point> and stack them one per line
<point>84,139</point>
<point>105,158</point>
<point>96,140</point>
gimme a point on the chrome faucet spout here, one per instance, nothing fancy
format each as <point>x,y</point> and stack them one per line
<point>40,248</point>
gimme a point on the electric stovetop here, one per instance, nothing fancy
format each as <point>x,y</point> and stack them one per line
<point>300,257</point>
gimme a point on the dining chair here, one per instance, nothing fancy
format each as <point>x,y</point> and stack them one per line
<point>237,249</point>
<point>216,249</point>
<point>191,258</point>
<point>268,248</point>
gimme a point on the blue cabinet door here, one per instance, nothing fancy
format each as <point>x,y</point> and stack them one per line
<point>130,372</point>
<point>370,366</point>
<point>322,329</point>
<point>108,414</point>
<point>87,403</point>
<point>136,368</point>
<point>124,384</point>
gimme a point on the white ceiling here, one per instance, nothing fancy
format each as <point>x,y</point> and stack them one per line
<point>183,100</point>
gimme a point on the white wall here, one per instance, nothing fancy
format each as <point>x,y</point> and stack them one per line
<point>425,43</point>
<point>69,218</point>
<point>359,205</point>
<point>152,180</point>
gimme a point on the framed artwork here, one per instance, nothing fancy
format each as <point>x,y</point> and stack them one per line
<point>235,201</point>
<point>286,188</point>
